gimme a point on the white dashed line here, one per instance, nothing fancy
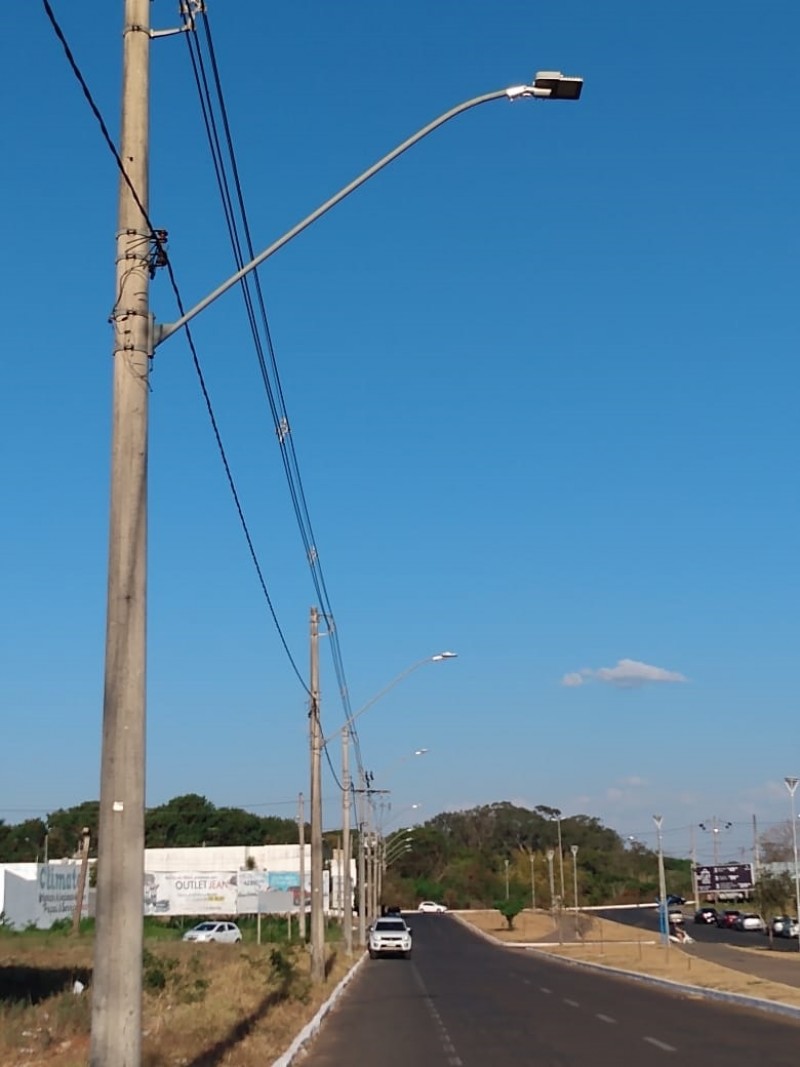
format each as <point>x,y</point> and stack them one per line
<point>543,990</point>
<point>449,1049</point>
<point>605,1018</point>
<point>572,1003</point>
<point>659,1044</point>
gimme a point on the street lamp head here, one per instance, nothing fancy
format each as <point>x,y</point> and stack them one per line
<point>658,819</point>
<point>791,784</point>
<point>444,655</point>
<point>557,86</point>
<point>573,849</point>
<point>421,751</point>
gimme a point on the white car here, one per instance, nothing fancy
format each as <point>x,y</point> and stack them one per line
<point>214,931</point>
<point>432,906</point>
<point>390,937</point>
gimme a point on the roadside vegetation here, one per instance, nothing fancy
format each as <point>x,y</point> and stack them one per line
<point>232,1005</point>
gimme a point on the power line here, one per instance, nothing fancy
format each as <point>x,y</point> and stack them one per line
<point>235,212</point>
<point>158,238</point>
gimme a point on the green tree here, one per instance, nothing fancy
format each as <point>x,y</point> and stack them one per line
<point>510,909</point>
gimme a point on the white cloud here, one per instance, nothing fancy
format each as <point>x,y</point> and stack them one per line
<point>627,674</point>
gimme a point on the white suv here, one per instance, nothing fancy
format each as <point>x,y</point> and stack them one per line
<point>390,937</point>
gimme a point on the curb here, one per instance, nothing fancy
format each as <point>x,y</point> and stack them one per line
<point>310,1029</point>
<point>774,1007</point>
<point>770,1007</point>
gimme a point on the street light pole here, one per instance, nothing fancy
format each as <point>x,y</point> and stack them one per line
<point>533,881</point>
<point>317,915</point>
<point>574,850</point>
<point>791,784</point>
<point>117,985</point>
<point>347,883</point>
<point>663,913</point>
<point>507,886</point>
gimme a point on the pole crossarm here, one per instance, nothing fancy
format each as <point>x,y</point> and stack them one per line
<point>516,92</point>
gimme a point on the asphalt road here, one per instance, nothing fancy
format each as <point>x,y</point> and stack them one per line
<point>462,1001</point>
<point>647,919</point>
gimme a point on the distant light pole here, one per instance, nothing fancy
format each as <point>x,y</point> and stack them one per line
<point>507,886</point>
<point>663,914</point>
<point>574,850</point>
<point>533,881</point>
<point>549,855</point>
<point>791,784</point>
<point>557,817</point>
<point>365,791</point>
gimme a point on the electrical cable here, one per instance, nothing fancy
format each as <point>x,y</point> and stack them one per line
<point>157,240</point>
<point>270,375</point>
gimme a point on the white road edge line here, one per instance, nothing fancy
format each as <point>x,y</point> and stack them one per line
<point>542,989</point>
<point>572,1003</point>
<point>660,1044</point>
<point>605,1018</point>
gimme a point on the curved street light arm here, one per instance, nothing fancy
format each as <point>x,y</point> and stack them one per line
<point>163,331</point>
<point>382,692</point>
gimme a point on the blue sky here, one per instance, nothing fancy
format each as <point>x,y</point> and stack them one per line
<point>542,379</point>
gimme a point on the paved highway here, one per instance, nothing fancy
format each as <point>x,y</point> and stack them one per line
<point>462,1001</point>
<point>647,919</point>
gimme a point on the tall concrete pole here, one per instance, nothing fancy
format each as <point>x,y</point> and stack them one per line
<point>347,882</point>
<point>117,984</point>
<point>301,828</point>
<point>362,864</point>
<point>317,915</point>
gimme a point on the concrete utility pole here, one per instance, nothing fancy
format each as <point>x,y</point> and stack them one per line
<point>362,865</point>
<point>117,984</point>
<point>76,915</point>
<point>301,827</point>
<point>347,882</point>
<point>317,915</point>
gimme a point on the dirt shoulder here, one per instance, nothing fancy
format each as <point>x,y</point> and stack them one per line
<point>635,951</point>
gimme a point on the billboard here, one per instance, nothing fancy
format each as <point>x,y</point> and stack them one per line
<point>190,893</point>
<point>725,878</point>
<point>41,894</point>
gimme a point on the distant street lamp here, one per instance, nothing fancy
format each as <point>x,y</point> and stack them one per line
<point>507,887</point>
<point>574,850</point>
<point>533,881</point>
<point>791,785</point>
<point>346,732</point>
<point>663,913</point>
<point>549,855</point>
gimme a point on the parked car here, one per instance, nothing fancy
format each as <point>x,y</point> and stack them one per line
<point>214,931</point>
<point>390,937</point>
<point>788,926</point>
<point>675,917</point>
<point>708,916</point>
<point>432,906</point>
<point>726,919</point>
<point>777,924</point>
<point>748,921</point>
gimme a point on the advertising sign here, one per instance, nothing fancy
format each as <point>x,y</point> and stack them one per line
<point>190,893</point>
<point>41,894</point>
<point>725,878</point>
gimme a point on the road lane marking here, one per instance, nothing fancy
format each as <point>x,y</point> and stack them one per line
<point>542,989</point>
<point>605,1018</point>
<point>660,1044</point>
<point>572,1003</point>
<point>449,1049</point>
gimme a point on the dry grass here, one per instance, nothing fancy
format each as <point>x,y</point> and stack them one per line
<point>217,1005</point>
<point>631,949</point>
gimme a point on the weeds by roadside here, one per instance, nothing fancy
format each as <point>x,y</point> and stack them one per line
<point>204,1005</point>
